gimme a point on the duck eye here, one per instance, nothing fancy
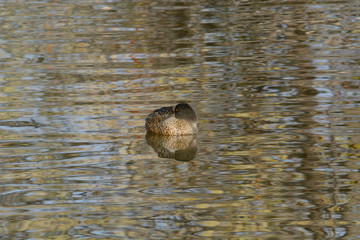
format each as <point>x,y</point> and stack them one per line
<point>176,110</point>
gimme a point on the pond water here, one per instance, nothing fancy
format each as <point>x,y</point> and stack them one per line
<point>275,84</point>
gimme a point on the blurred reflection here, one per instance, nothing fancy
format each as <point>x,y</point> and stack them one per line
<point>276,84</point>
<point>31,123</point>
<point>181,148</point>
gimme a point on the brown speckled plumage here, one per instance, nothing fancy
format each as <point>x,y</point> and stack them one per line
<point>178,120</point>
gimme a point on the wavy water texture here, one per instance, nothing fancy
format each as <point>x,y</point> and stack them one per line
<point>276,88</point>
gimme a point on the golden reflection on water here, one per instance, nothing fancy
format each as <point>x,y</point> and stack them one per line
<point>276,88</point>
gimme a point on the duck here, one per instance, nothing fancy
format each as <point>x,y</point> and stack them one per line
<point>174,120</point>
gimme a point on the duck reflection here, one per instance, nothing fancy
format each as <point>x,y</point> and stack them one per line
<point>181,148</point>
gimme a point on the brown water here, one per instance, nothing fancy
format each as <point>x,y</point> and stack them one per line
<point>276,85</point>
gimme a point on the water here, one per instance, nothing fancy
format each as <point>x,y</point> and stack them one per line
<point>276,88</point>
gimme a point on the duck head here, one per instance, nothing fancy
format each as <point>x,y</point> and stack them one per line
<point>184,111</point>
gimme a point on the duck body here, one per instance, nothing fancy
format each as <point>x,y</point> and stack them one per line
<point>174,120</point>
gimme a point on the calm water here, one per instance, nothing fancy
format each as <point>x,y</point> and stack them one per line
<point>276,85</point>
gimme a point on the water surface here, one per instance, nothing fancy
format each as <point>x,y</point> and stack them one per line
<point>276,88</point>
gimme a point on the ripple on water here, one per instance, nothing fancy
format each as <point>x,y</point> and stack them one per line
<point>276,89</point>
